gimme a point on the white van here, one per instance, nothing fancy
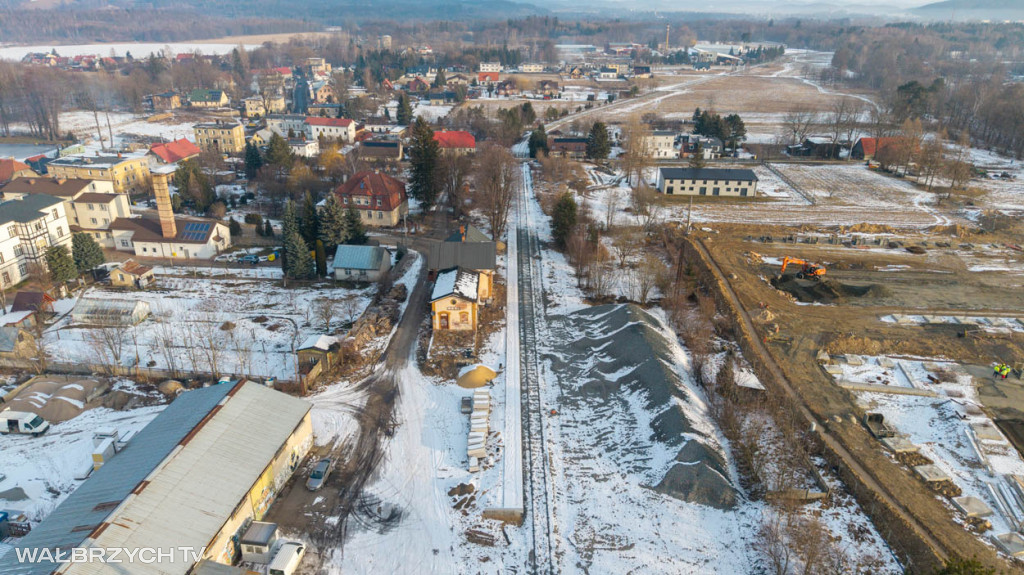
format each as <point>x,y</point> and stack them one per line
<point>287,558</point>
<point>22,422</point>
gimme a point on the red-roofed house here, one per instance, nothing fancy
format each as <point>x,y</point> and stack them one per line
<point>487,77</point>
<point>174,152</point>
<point>342,129</point>
<point>455,141</point>
<point>380,199</point>
<point>867,148</point>
<point>11,168</point>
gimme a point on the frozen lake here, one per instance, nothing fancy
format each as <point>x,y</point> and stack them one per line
<point>138,49</point>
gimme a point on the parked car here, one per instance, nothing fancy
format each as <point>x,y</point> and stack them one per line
<point>22,422</point>
<point>287,558</point>
<point>318,477</point>
<point>225,258</point>
<point>264,258</point>
<point>249,259</point>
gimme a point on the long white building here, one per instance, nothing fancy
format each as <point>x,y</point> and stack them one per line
<point>28,226</point>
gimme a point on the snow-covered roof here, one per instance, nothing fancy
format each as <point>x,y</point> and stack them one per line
<point>14,317</point>
<point>456,282</point>
<point>321,342</point>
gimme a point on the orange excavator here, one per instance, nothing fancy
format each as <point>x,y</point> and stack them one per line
<point>807,269</point>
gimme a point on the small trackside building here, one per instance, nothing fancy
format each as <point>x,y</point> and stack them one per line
<point>455,301</point>
<point>707,182</point>
<point>205,468</point>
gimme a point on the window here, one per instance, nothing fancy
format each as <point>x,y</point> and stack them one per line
<point>55,215</point>
<point>91,207</point>
<point>106,221</point>
<point>348,272</point>
<point>93,220</point>
<point>743,191</point>
<point>143,250</point>
<point>378,202</point>
<point>104,207</point>
<point>124,243</point>
<point>714,191</point>
<point>703,191</point>
<point>1,258</point>
<point>7,278</point>
<point>39,225</point>
<point>22,269</point>
<point>12,231</point>
<point>380,215</point>
<point>19,250</point>
<point>60,232</point>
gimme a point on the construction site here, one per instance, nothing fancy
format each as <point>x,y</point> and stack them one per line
<point>902,353</point>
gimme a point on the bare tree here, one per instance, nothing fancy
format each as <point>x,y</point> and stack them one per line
<point>625,245</point>
<point>611,204</point>
<point>349,307</point>
<point>637,154</point>
<point>211,341</point>
<point>325,310</point>
<point>771,542</point>
<point>454,170</point>
<point>841,122</point>
<point>958,168</point>
<point>646,275</point>
<point>645,207</point>
<point>107,342</point>
<point>798,123</point>
<point>167,338</point>
<point>497,176</point>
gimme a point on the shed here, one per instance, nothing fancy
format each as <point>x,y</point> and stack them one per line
<point>316,348</point>
<point>32,301</point>
<point>132,274</point>
<point>361,263</point>
<point>109,312</point>
<point>258,541</point>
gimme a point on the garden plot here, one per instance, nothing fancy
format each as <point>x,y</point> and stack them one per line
<point>950,430</point>
<point>855,185</point>
<point>236,325</point>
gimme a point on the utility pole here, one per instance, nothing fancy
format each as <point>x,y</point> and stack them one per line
<point>667,28</point>
<point>689,212</point>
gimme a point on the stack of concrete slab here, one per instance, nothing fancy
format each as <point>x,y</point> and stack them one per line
<point>479,427</point>
<point>972,506</point>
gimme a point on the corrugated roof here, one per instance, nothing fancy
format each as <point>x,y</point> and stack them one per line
<point>175,151</point>
<point>472,255</point>
<point>197,488</point>
<point>359,257</point>
<point>708,174</point>
<point>454,139</point>
<point>26,209</point>
<point>108,486</point>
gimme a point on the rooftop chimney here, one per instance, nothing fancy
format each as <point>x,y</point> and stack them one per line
<point>163,205</point>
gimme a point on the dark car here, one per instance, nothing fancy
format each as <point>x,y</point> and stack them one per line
<point>249,259</point>
<point>318,477</point>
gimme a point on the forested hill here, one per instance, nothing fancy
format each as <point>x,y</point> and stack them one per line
<point>85,21</point>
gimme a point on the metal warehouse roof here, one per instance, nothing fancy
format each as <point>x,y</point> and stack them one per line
<point>197,488</point>
<point>89,505</point>
<point>359,257</point>
<point>708,174</point>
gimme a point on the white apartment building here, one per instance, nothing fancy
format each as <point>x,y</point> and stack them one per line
<point>90,205</point>
<point>490,66</point>
<point>28,226</point>
<point>662,145</point>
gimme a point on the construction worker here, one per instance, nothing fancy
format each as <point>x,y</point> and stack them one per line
<point>1005,371</point>
<point>997,370</point>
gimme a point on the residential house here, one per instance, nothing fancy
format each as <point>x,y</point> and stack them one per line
<point>166,101</point>
<point>547,88</point>
<point>174,152</point>
<point>29,226</point>
<point>711,148</point>
<point>17,345</point>
<point>506,88</point>
<point>287,125</point>
<point>531,68</point>
<point>133,275</point>
<point>442,98</point>
<point>662,145</point>
<point>379,199</point>
<point>256,107</point>
<point>324,110</point>
<point>487,78</point>
<point>379,125</point>
<point>417,84</point>
<point>317,66</point>
<point>341,129</point>
<point>574,148</point>
<point>261,137</point>
<point>867,148</point>
<point>576,72</point>
<point>707,182</point>
<point>815,147</point>
<point>457,80</point>
<point>361,263</point>
<point>192,238</point>
<point>129,173</point>
<point>223,137</point>
<point>11,169</point>
<point>322,92</point>
<point>606,73</point>
<point>702,66</point>
<point>200,98</point>
<point>455,300</point>
<point>25,319</point>
<point>456,142</point>
<point>304,148</point>
<point>494,67</point>
<point>381,150</point>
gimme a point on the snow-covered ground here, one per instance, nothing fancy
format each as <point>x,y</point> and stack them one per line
<point>189,315</point>
<point>943,427</point>
<point>430,113</point>
<point>45,467</point>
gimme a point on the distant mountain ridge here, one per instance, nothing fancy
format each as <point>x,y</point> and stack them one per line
<point>974,9</point>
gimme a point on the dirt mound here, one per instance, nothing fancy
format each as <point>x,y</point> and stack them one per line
<point>622,372</point>
<point>827,290</point>
<point>57,399</point>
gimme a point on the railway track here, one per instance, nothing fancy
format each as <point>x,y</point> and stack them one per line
<point>537,468</point>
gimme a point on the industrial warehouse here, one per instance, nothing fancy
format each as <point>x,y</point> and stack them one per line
<point>205,468</point>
